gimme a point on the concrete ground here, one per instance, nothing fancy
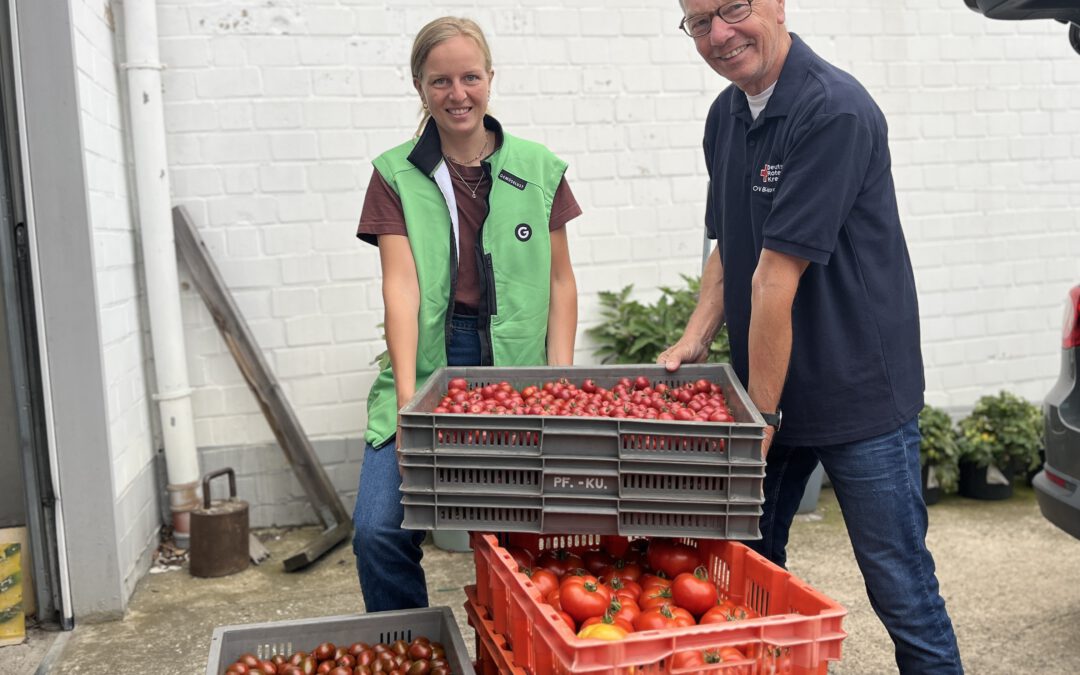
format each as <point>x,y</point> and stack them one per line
<point>1011,581</point>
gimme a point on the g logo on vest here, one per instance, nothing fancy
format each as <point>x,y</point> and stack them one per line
<point>523,232</point>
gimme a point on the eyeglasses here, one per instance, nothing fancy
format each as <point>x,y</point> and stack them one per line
<point>699,25</point>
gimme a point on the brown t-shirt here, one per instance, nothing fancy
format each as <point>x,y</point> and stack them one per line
<point>382,214</point>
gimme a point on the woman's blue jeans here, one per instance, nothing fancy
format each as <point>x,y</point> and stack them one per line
<point>879,486</point>
<point>387,556</point>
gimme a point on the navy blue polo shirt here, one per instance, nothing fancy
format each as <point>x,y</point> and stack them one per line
<point>811,177</point>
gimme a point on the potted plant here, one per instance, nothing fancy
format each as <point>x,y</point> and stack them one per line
<point>632,332</point>
<point>998,440</point>
<point>939,453</point>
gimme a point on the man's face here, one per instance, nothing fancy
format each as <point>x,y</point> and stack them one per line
<point>749,53</point>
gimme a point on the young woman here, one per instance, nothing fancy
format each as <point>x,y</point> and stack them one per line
<point>470,225</point>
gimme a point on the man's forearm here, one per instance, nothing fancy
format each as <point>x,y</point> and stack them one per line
<point>708,315</point>
<point>769,342</point>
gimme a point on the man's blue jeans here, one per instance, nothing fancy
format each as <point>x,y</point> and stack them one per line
<point>878,484</point>
<point>387,556</point>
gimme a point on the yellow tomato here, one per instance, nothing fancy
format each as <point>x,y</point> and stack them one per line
<point>602,631</point>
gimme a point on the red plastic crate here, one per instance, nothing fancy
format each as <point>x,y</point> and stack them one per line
<point>492,652</point>
<point>798,633</point>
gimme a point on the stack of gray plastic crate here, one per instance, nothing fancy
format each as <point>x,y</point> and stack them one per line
<point>582,475</point>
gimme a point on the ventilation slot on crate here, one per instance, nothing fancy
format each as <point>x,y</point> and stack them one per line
<point>671,520</point>
<point>558,541</point>
<point>757,597</point>
<point>388,637</point>
<point>720,572</point>
<point>646,482</point>
<point>268,651</point>
<point>475,514</point>
<point>472,438</point>
<point>691,445</point>
<point>487,477</point>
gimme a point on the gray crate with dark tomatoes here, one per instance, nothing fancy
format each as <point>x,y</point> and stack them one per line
<point>414,640</point>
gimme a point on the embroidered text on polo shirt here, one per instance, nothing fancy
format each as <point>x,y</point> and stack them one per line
<point>770,173</point>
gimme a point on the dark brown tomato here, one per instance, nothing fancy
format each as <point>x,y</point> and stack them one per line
<point>357,647</point>
<point>366,657</point>
<point>419,668</point>
<point>419,650</point>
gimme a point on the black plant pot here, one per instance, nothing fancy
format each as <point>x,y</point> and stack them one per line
<point>930,495</point>
<point>973,483</point>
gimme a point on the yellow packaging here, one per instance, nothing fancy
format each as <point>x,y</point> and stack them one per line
<point>12,619</point>
<point>10,559</point>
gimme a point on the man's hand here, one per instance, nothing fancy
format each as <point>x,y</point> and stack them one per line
<point>766,442</point>
<point>683,351</point>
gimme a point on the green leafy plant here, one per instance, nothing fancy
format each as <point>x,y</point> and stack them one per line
<point>632,332</point>
<point>940,447</point>
<point>1003,430</point>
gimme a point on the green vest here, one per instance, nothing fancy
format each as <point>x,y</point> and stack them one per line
<point>515,247</point>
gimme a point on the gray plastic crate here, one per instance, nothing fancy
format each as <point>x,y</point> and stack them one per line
<point>581,515</point>
<point>284,637</point>
<point>528,473</point>
<point>461,472</point>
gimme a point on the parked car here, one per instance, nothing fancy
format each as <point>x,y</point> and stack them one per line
<point>1065,11</point>
<point>1056,486</point>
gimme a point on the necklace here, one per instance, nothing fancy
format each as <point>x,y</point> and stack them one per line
<point>478,155</point>
<point>472,188</point>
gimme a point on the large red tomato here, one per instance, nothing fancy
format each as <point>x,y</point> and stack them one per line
<point>522,557</point>
<point>544,580</point>
<point>694,592</point>
<point>654,596</point>
<point>596,561</point>
<point>673,558</point>
<point>662,618</point>
<point>559,561</point>
<point>582,601</point>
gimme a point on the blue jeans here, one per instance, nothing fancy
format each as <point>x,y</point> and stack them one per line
<point>387,556</point>
<point>878,484</point>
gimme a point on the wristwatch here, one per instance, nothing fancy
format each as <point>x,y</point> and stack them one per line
<point>773,419</point>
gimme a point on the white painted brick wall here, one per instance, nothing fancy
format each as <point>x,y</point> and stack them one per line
<point>119,287</point>
<point>275,110</point>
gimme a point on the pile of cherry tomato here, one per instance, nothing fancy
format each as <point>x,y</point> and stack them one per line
<point>419,657</point>
<point>637,398</point>
<point>655,585</point>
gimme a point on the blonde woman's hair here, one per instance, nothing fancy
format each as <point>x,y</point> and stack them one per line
<point>435,33</point>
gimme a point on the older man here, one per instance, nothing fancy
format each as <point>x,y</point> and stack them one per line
<point>812,275</point>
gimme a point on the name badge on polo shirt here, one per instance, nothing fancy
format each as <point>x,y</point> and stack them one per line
<point>768,178</point>
<point>510,178</point>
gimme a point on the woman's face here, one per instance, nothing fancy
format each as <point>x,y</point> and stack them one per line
<point>455,86</point>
